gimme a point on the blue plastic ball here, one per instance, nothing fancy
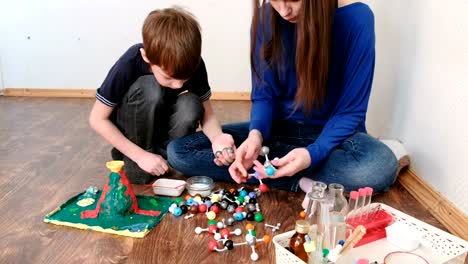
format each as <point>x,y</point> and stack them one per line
<point>243,193</point>
<point>252,195</point>
<point>208,203</point>
<point>177,211</point>
<point>239,216</point>
<point>270,170</point>
<point>189,201</point>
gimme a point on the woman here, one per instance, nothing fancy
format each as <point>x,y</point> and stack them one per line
<point>312,70</point>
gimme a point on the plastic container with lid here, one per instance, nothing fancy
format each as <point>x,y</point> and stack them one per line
<point>168,187</point>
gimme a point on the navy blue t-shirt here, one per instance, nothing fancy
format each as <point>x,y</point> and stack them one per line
<point>131,66</point>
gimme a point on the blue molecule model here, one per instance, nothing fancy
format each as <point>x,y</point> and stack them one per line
<point>177,211</point>
<point>270,170</point>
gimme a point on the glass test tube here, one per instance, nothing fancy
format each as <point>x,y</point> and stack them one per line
<point>353,197</point>
<point>361,202</point>
<point>367,210</point>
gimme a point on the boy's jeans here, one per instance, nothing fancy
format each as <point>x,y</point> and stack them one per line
<point>358,162</point>
<point>150,119</point>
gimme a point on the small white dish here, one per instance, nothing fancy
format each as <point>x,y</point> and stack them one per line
<point>168,187</point>
<point>403,236</point>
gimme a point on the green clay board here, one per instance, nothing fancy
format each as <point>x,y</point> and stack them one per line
<point>133,225</point>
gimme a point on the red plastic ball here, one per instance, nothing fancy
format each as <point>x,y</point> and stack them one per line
<point>214,208</point>
<point>202,208</point>
<point>239,209</point>
<point>212,229</point>
<point>212,245</point>
<point>263,188</point>
<point>225,233</point>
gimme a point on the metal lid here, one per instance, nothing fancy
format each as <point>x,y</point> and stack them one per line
<point>302,226</point>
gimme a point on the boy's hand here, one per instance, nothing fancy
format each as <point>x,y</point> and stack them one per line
<point>223,149</point>
<point>152,164</point>
<point>295,161</point>
<point>245,155</point>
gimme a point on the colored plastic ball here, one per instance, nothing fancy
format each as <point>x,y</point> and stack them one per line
<point>202,208</point>
<point>243,193</point>
<point>178,200</point>
<point>214,208</point>
<point>193,209</point>
<point>250,216</point>
<point>184,209</point>
<point>230,221</point>
<point>211,215</point>
<point>239,216</point>
<point>252,195</point>
<point>212,229</point>
<point>252,201</point>
<point>263,188</point>
<point>189,201</point>
<point>214,198</point>
<point>225,233</point>
<point>258,217</point>
<point>239,209</point>
<point>177,211</point>
<point>212,222</point>
<point>223,204</point>
<point>270,170</point>
<point>229,244</point>
<point>240,199</point>
<point>266,238</point>
<point>231,208</point>
<point>208,204</point>
<point>212,245</point>
<point>302,214</point>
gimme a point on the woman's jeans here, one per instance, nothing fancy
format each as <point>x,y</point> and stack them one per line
<point>150,118</point>
<point>358,162</point>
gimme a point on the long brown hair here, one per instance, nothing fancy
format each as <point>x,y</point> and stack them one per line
<point>313,48</point>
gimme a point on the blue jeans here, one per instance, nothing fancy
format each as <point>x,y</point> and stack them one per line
<point>150,117</point>
<point>359,161</point>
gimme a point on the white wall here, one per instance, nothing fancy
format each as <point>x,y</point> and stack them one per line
<point>72,44</point>
<point>420,93</point>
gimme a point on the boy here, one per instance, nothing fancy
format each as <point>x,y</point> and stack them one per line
<point>158,91</point>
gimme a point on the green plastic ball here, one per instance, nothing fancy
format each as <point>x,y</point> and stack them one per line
<point>258,217</point>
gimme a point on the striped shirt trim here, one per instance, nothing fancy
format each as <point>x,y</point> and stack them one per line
<point>206,96</point>
<point>104,100</point>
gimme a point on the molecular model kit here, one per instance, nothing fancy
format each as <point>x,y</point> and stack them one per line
<point>242,205</point>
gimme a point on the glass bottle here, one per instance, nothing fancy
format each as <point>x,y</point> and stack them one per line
<point>338,211</point>
<point>296,243</point>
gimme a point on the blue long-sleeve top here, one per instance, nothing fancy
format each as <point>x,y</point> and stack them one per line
<point>348,88</point>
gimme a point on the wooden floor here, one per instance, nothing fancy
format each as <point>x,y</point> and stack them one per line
<point>48,153</point>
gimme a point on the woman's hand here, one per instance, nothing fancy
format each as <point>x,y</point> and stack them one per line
<point>295,161</point>
<point>223,149</point>
<point>245,155</point>
<point>152,163</point>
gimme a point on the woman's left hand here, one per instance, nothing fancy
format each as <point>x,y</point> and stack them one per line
<point>295,161</point>
<point>223,149</point>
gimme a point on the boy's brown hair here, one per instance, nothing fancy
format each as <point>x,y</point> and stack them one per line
<point>172,40</point>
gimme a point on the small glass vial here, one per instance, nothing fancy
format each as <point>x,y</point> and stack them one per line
<point>296,243</point>
<point>338,212</point>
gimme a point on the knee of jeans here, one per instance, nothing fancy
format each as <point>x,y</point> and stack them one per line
<point>189,107</point>
<point>377,176</point>
<point>146,87</point>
